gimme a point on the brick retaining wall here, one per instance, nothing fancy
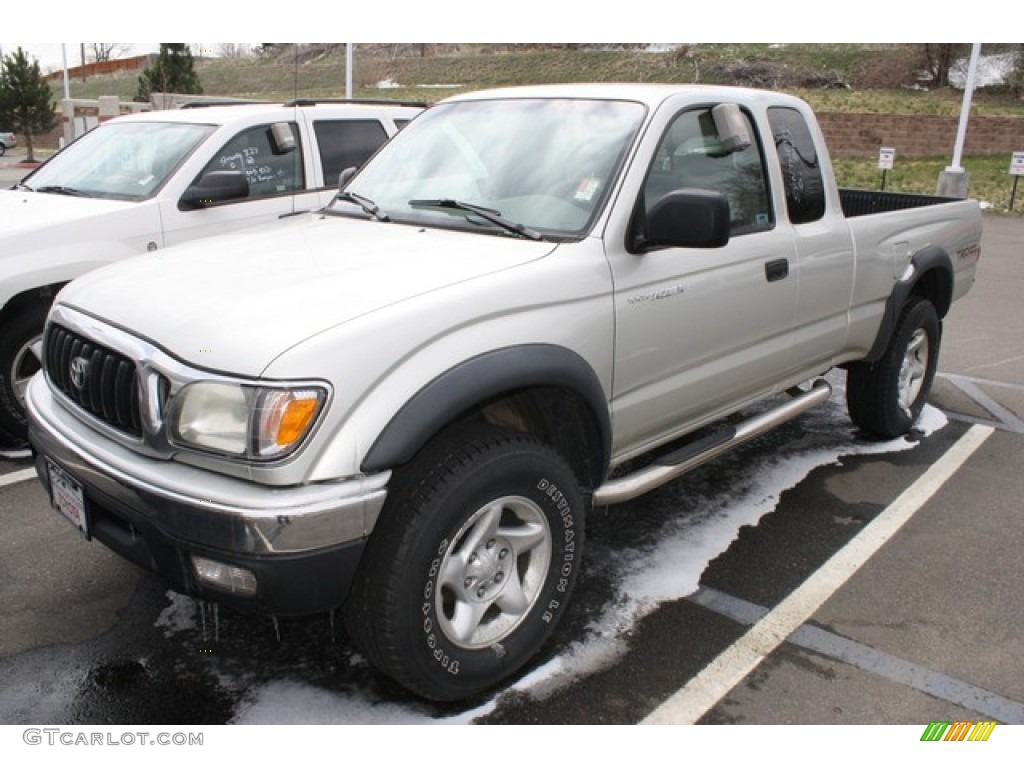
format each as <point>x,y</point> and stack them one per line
<point>860,135</point>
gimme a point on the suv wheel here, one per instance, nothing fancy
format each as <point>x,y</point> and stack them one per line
<point>20,342</point>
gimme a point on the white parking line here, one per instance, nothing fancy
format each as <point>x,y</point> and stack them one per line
<point>714,682</point>
<point>17,477</point>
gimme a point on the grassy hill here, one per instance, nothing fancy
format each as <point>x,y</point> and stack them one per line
<point>831,77</point>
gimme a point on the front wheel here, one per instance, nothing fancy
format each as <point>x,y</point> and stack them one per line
<point>886,397</point>
<point>20,344</point>
<point>471,564</point>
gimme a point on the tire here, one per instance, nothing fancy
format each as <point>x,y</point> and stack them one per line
<point>886,397</point>
<point>19,361</point>
<point>3,149</point>
<point>471,564</point>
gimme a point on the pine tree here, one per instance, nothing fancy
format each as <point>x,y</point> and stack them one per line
<point>26,101</point>
<point>173,72</point>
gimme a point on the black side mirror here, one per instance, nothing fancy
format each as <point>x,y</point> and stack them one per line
<point>685,218</point>
<point>215,187</point>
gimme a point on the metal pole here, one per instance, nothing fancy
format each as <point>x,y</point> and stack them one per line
<point>953,181</point>
<point>349,49</point>
<point>64,56</point>
<point>965,109</point>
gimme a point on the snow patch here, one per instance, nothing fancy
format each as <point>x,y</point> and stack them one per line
<point>180,615</point>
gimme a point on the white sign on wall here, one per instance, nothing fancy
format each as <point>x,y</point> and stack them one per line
<point>885,157</point>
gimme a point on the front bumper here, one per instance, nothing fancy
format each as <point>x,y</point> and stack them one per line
<point>302,543</point>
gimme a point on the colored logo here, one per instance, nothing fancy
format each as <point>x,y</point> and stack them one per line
<point>958,730</point>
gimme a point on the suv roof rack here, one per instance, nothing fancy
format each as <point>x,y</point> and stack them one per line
<point>221,103</point>
<point>311,102</point>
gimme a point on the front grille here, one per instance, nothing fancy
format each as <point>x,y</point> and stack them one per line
<point>100,381</point>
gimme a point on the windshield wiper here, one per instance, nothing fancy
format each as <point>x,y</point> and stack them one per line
<point>488,214</point>
<point>365,203</point>
<point>59,190</point>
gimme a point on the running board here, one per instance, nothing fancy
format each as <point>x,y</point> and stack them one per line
<point>692,456</point>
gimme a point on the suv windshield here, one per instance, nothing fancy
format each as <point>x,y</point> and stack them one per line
<point>126,161</point>
<point>541,165</point>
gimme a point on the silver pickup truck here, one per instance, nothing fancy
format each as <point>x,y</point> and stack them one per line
<point>406,404</point>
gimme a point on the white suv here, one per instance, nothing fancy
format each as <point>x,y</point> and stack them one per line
<point>143,182</point>
<point>7,140</point>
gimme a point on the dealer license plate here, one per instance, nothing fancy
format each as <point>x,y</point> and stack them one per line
<point>67,497</point>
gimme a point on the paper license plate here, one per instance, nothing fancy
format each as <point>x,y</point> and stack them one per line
<point>67,496</point>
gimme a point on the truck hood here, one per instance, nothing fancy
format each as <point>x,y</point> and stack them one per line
<point>234,303</point>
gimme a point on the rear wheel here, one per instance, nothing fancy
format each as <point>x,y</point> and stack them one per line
<point>887,397</point>
<point>471,564</point>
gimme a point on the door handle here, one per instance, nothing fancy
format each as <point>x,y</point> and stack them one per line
<point>776,270</point>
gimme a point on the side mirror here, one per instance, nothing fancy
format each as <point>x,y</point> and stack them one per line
<point>282,139</point>
<point>215,187</point>
<point>345,177</point>
<point>686,218</point>
<point>731,127</point>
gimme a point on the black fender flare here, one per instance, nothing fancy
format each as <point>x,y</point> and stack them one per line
<point>478,379</point>
<point>931,265</point>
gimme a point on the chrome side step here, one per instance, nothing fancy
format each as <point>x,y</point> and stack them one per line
<point>692,456</point>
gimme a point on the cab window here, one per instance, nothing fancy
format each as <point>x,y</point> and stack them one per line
<point>691,156</point>
<point>269,170</point>
<point>346,144</point>
<point>801,170</point>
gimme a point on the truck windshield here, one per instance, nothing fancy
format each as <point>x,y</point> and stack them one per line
<point>125,161</point>
<point>544,166</point>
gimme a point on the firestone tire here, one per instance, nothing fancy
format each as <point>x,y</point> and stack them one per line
<point>886,398</point>
<point>470,566</point>
<point>19,361</point>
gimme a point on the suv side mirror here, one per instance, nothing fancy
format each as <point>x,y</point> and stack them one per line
<point>685,218</point>
<point>215,187</point>
<point>282,139</point>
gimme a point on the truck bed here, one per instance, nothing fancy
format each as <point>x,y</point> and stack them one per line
<point>861,202</point>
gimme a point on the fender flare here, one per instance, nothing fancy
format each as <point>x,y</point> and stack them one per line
<point>925,264</point>
<point>478,379</point>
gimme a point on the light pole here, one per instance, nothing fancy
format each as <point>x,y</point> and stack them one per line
<point>348,69</point>
<point>953,180</point>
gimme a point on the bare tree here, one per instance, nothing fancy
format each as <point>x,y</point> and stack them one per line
<point>107,51</point>
<point>939,59</point>
<point>233,50</point>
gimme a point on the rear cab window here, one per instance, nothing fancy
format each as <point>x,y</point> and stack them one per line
<point>801,169</point>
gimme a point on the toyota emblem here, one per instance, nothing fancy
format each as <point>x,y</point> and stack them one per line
<point>79,371</point>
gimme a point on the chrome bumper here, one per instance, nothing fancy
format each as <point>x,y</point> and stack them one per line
<point>198,507</point>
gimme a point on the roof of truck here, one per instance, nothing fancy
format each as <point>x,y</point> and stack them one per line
<point>651,94</point>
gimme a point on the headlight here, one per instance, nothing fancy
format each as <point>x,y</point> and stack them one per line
<point>243,421</point>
